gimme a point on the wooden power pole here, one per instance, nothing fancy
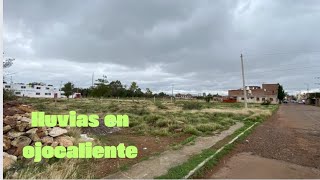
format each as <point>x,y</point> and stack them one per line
<point>244,84</point>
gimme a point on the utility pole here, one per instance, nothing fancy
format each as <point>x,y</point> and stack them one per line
<point>171,92</point>
<point>244,84</point>
<point>92,79</point>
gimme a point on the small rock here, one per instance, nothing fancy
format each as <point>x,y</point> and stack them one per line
<point>34,137</point>
<point>41,132</point>
<point>54,144</point>
<point>8,160</point>
<point>17,117</point>
<point>21,141</point>
<point>32,131</point>
<point>25,119</point>
<point>18,151</point>
<point>6,128</point>
<point>85,138</point>
<point>178,130</point>
<point>47,140</point>
<point>6,143</point>
<point>10,120</point>
<point>65,141</point>
<point>247,141</point>
<point>144,148</point>
<point>57,131</point>
<point>21,126</point>
<point>12,150</point>
<point>14,134</point>
<point>25,108</point>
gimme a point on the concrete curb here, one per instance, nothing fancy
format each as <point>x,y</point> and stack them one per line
<point>209,158</point>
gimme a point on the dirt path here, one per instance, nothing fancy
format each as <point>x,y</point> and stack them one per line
<point>286,146</point>
<point>159,165</point>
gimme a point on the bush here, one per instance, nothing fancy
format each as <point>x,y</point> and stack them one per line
<point>192,105</point>
<point>161,132</point>
<point>206,127</point>
<point>163,123</point>
<point>160,105</point>
<point>191,130</point>
<point>267,102</point>
<point>151,119</point>
<point>8,95</point>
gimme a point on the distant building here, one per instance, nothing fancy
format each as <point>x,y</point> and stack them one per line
<point>34,90</point>
<point>183,96</point>
<point>313,98</point>
<point>257,94</point>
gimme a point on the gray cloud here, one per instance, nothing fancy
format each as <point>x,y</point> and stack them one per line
<point>195,45</point>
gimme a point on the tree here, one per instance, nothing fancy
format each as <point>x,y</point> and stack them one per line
<point>281,93</point>
<point>116,88</point>
<point>208,98</point>
<point>68,89</point>
<point>102,88</point>
<point>8,62</point>
<point>148,92</point>
<point>133,88</point>
<point>7,94</point>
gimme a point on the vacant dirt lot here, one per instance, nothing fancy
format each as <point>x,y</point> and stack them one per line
<point>286,146</point>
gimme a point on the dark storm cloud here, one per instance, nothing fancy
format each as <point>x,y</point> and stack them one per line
<point>193,44</point>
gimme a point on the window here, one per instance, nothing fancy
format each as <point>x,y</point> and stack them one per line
<point>23,87</point>
<point>37,93</point>
<point>17,92</point>
<point>7,86</point>
<point>258,99</point>
<point>242,98</point>
<point>38,87</point>
<point>47,88</point>
<point>271,99</point>
<point>263,99</point>
<point>48,94</point>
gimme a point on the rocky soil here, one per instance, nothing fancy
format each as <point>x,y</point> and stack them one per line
<point>17,133</point>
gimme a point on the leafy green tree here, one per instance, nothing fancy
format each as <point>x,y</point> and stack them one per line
<point>101,88</point>
<point>281,93</point>
<point>117,89</point>
<point>132,89</point>
<point>68,89</point>
<point>138,93</point>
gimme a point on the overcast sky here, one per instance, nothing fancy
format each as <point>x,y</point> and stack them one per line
<point>193,44</point>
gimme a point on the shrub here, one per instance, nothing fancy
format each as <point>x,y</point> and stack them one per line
<point>191,130</point>
<point>267,102</point>
<point>173,127</point>
<point>8,95</point>
<point>192,105</point>
<point>163,123</point>
<point>206,127</point>
<point>161,132</point>
<point>160,105</point>
<point>151,119</point>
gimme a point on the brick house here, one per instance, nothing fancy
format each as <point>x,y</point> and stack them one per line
<point>257,94</point>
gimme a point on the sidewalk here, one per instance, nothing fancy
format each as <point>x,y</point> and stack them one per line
<point>159,165</point>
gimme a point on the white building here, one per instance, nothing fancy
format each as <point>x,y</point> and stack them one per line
<point>34,90</point>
